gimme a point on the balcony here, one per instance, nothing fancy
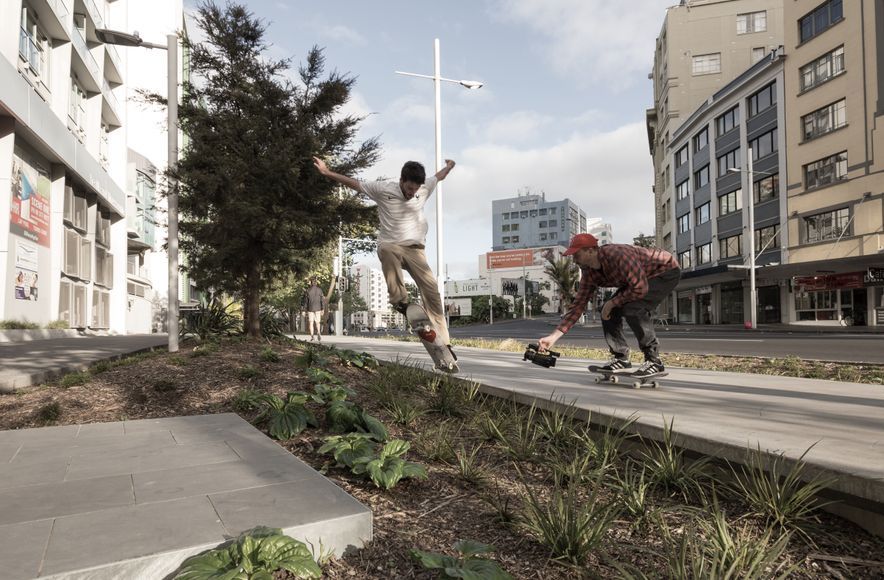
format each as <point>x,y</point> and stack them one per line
<point>89,66</point>
<point>52,16</point>
<point>94,13</point>
<point>110,109</point>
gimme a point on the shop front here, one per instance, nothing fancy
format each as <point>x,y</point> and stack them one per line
<point>842,299</point>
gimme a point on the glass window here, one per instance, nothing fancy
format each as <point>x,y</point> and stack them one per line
<point>684,260</point>
<point>728,121</point>
<point>767,188</point>
<point>763,99</point>
<point>701,139</point>
<point>702,213</point>
<point>682,189</point>
<point>523,214</point>
<point>505,228</point>
<point>706,64</point>
<point>684,223</point>
<point>827,226</point>
<point>704,254</point>
<point>826,171</point>
<point>766,239</point>
<point>681,156</point>
<point>542,237</point>
<point>758,53</point>
<point>730,160</point>
<point>553,235</point>
<point>533,213</point>
<point>506,239</point>
<point>730,202</point>
<point>730,247</point>
<point>822,69</point>
<point>818,21</point>
<point>515,239</point>
<point>542,224</point>
<point>543,211</point>
<point>506,216</point>
<point>515,227</point>
<point>824,120</point>
<point>752,22</point>
<point>553,223</point>
<point>701,177</point>
<point>764,145</point>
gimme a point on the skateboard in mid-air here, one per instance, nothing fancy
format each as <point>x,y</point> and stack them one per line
<point>628,379</point>
<point>442,356</point>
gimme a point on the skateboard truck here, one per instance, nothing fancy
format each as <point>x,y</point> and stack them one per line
<point>544,358</point>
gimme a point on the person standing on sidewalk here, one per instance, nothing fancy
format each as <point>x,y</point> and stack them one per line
<point>314,305</point>
<point>403,233</point>
<point>644,277</point>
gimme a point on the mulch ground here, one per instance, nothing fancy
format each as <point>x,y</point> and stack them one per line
<point>429,514</point>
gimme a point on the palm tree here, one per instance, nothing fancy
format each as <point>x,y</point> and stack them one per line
<point>565,273</point>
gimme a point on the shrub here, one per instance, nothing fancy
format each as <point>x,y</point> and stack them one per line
<point>210,318</point>
<point>269,355</point>
<point>384,465</point>
<point>100,367</point>
<point>286,417</point>
<point>248,372</point>
<point>669,469</point>
<point>312,357</point>
<point>273,322</point>
<point>468,466</point>
<point>403,412</point>
<point>501,505</point>
<point>58,325</point>
<point>345,417</point>
<point>467,565</point>
<point>49,413</point>
<point>204,349</point>
<point>256,554</point>
<point>523,441</point>
<point>247,400</point>
<point>18,325</point>
<point>322,376</point>
<point>448,397</point>
<point>74,379</point>
<point>436,441</point>
<point>164,385</point>
<point>632,489</point>
<point>361,360</point>
<point>325,394</point>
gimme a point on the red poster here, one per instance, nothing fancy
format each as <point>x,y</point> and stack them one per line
<point>29,211</point>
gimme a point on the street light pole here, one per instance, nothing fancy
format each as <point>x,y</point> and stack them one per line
<point>753,296</point>
<point>171,47</point>
<point>437,82</point>
<point>490,297</point>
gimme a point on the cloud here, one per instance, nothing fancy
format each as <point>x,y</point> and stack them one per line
<point>592,41</point>
<point>516,127</point>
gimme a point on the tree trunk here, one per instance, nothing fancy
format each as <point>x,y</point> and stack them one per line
<point>328,295</point>
<point>252,312</point>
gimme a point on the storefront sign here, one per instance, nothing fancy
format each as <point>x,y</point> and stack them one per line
<point>874,276</point>
<point>704,290</point>
<point>829,282</point>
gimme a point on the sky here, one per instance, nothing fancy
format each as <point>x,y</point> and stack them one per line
<point>562,109</point>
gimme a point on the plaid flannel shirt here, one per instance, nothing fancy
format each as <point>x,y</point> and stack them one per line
<point>627,268</point>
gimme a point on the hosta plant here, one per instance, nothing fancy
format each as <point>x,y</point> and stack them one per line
<point>286,417</point>
<point>325,394</point>
<point>346,417</point>
<point>256,555</point>
<point>319,376</point>
<point>312,357</point>
<point>469,564</point>
<point>384,465</point>
<point>361,360</point>
<point>346,449</point>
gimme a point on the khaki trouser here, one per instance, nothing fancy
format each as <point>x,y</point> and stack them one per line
<point>395,258</point>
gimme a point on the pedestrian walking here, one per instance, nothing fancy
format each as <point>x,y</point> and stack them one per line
<point>314,305</point>
<point>644,277</point>
<point>402,234</point>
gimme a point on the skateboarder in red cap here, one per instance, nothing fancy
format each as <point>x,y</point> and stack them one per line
<point>643,278</point>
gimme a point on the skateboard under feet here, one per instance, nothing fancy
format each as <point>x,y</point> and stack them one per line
<point>627,379</point>
<point>443,360</point>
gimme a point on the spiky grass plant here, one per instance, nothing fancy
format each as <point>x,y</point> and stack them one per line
<point>633,490</point>
<point>569,523</point>
<point>74,379</point>
<point>449,397</point>
<point>403,411</point>
<point>504,508</point>
<point>436,441</point>
<point>670,470</point>
<point>556,426</point>
<point>469,466</point>
<point>522,441</point>
<point>784,495</point>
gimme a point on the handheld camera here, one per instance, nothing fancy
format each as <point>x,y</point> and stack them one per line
<point>542,358</point>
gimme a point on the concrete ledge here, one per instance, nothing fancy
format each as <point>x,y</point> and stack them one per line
<point>27,335</point>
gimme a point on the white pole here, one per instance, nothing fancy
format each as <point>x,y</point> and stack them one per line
<point>490,297</point>
<point>172,162</point>
<point>437,82</point>
<point>339,313</point>
<point>753,297</point>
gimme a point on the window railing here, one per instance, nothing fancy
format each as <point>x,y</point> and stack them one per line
<point>29,50</point>
<point>110,97</point>
<point>83,50</point>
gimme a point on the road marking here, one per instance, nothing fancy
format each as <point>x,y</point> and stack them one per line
<point>674,338</point>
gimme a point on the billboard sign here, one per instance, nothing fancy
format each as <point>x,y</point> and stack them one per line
<point>473,287</point>
<point>29,211</point>
<point>459,307</point>
<point>520,258</point>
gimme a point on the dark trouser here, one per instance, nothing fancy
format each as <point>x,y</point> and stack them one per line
<point>638,316</point>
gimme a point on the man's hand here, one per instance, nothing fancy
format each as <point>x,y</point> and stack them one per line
<point>449,164</point>
<point>606,310</point>
<point>443,173</point>
<point>547,342</point>
<point>320,166</point>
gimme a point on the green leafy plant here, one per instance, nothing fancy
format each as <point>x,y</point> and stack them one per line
<point>269,355</point>
<point>164,385</point>
<point>18,325</point>
<point>325,394</point>
<point>633,490</point>
<point>573,467</point>
<point>58,325</point>
<point>320,376</point>
<point>555,427</point>
<point>468,466</point>
<point>361,360</point>
<point>436,441</point>
<point>178,361</point>
<point>467,565</point>
<point>212,317</point>
<point>286,417</point>
<point>570,525</point>
<point>74,379</point>
<point>346,449</point>
<point>389,467</point>
<point>782,495</point>
<point>255,555</point>
<point>100,367</point>
<point>346,416</point>
<point>204,349</point>
<point>502,505</point>
<point>247,400</point>
<point>312,357</point>
<point>273,323</point>
<point>522,442</point>
<point>448,397</point>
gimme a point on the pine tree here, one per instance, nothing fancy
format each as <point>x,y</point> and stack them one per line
<point>252,207</point>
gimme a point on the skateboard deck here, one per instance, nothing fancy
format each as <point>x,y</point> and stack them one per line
<point>627,379</point>
<point>423,328</point>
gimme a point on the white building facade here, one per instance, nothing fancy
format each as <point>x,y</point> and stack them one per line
<point>372,288</point>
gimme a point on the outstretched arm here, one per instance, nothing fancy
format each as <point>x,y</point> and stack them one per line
<point>443,173</point>
<point>342,179</point>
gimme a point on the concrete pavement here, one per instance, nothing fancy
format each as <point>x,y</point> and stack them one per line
<point>714,413</point>
<point>30,363</point>
<point>134,499</point>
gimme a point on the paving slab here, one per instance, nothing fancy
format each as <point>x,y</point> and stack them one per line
<point>133,499</point>
<point>840,425</point>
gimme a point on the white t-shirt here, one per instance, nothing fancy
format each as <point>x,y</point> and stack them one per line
<point>402,221</point>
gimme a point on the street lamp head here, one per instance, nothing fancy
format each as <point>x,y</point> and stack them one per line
<point>116,37</point>
<point>472,85</point>
<point>734,170</point>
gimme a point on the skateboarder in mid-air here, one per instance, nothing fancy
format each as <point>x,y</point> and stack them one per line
<point>644,277</point>
<point>403,233</point>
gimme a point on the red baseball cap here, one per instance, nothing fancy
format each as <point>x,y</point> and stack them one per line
<point>581,241</point>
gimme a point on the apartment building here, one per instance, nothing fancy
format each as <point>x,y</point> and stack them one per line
<point>372,287</point>
<point>834,102</point>
<point>703,45</point>
<point>530,221</point>
<point>63,164</point>
<point>604,232</point>
<point>712,199</point>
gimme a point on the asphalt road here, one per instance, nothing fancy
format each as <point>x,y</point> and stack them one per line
<point>831,346</point>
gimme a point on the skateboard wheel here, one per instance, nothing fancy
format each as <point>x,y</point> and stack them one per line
<point>637,385</point>
<point>615,379</point>
<point>597,380</point>
<point>655,385</point>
